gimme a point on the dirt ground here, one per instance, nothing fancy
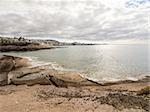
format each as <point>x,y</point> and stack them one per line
<point>48,98</point>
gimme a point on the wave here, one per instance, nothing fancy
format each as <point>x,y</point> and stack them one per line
<point>34,61</point>
<point>124,81</point>
<point>110,80</point>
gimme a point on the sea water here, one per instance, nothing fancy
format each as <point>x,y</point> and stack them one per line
<point>97,62</point>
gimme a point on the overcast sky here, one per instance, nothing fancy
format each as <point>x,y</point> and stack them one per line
<point>86,20</point>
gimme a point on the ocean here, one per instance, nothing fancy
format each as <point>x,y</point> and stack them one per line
<point>97,62</point>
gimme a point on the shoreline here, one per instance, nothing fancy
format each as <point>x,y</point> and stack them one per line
<point>34,64</point>
<point>11,48</point>
<point>8,44</point>
<point>30,89</point>
<point>106,82</point>
<point>21,44</point>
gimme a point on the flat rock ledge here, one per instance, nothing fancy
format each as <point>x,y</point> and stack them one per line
<point>18,71</point>
<point>23,48</point>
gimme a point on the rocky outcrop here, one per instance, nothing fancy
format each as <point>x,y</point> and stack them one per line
<point>119,100</point>
<point>23,48</point>
<point>22,44</point>
<point>6,65</point>
<point>16,70</point>
<point>43,75</point>
<point>28,76</point>
<point>10,63</point>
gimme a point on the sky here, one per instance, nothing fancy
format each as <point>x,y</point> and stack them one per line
<point>112,21</point>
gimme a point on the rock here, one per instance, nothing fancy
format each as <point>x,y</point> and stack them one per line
<point>22,44</point>
<point>6,65</point>
<point>120,101</point>
<point>16,70</point>
<point>9,63</point>
<point>26,76</point>
<point>144,91</point>
<point>66,78</point>
<point>3,78</point>
<point>21,62</point>
<point>31,79</point>
<point>23,48</point>
<point>44,75</point>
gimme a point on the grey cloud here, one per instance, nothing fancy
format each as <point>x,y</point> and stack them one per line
<point>72,20</point>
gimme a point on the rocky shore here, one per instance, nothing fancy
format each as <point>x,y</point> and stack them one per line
<point>22,44</point>
<point>26,88</point>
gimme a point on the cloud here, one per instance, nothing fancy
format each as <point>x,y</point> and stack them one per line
<point>81,20</point>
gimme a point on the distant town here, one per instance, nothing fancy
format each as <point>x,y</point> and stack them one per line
<point>23,44</point>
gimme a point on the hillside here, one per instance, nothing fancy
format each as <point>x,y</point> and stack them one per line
<point>22,44</point>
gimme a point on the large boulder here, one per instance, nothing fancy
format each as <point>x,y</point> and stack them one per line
<point>44,75</point>
<point>31,79</point>
<point>9,63</point>
<point>6,65</point>
<point>28,76</point>
<point>21,62</point>
<point>69,78</point>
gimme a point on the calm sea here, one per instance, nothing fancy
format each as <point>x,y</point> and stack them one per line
<point>98,62</point>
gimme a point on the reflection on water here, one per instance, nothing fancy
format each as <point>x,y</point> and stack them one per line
<point>100,62</point>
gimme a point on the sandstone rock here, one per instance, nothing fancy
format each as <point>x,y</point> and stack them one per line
<point>21,62</point>
<point>3,78</point>
<point>120,101</point>
<point>9,63</point>
<point>31,79</point>
<point>35,75</point>
<point>40,75</point>
<point>25,75</point>
<point>15,70</point>
<point>66,78</point>
<point>6,65</point>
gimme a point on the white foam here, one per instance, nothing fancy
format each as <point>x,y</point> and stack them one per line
<point>111,79</point>
<point>34,61</point>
